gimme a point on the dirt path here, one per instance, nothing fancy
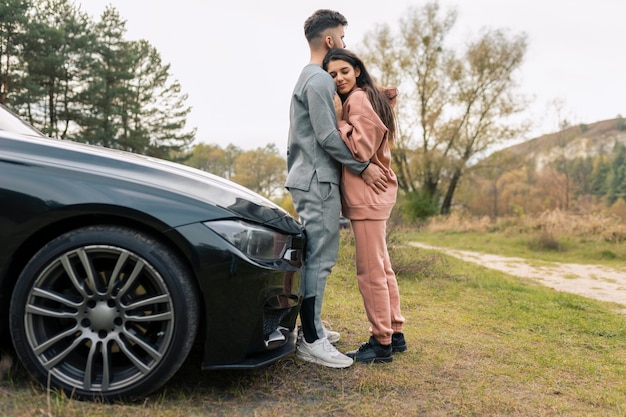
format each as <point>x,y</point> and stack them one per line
<point>592,281</point>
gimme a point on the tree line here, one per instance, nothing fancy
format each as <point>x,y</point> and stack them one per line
<point>75,78</point>
<point>80,79</point>
<point>456,102</point>
<point>263,169</point>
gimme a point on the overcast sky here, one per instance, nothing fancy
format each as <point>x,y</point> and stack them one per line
<point>238,60</point>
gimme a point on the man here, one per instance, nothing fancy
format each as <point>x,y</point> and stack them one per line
<point>315,155</point>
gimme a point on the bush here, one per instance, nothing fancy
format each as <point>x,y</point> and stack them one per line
<point>418,205</point>
<point>616,234</point>
<point>545,241</point>
<point>608,254</point>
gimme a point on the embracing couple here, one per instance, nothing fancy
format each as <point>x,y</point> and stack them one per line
<point>339,161</point>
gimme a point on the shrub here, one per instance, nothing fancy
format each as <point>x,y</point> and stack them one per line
<point>607,254</point>
<point>619,209</point>
<point>459,222</point>
<point>616,234</point>
<point>590,227</point>
<point>545,241</point>
<point>418,205</point>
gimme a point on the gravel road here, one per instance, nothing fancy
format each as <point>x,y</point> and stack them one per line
<point>592,281</point>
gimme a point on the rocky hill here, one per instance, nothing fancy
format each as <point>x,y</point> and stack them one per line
<point>574,142</point>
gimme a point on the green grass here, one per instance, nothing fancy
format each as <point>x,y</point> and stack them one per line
<point>565,249</point>
<point>481,343</point>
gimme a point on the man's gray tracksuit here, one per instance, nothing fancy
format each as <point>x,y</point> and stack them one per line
<point>315,154</point>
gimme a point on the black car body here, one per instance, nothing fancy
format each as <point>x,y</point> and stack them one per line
<point>113,264</point>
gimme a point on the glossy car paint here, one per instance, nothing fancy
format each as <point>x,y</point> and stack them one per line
<point>48,187</point>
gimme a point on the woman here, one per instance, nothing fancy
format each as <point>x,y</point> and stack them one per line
<point>367,125</point>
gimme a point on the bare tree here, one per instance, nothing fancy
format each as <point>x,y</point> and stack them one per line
<point>416,63</point>
<point>453,107</point>
<point>483,83</point>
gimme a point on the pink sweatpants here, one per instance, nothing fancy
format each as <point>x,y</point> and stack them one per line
<point>376,279</point>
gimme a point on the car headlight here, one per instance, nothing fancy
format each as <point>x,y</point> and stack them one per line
<point>255,241</point>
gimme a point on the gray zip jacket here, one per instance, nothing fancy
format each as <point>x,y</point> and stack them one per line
<point>315,145</point>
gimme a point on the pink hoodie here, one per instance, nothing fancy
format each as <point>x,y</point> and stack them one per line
<point>366,137</point>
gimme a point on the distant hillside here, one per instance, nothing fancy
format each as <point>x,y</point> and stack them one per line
<point>533,177</point>
<point>574,142</point>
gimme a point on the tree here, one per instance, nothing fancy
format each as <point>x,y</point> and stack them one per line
<point>13,23</point>
<point>56,39</point>
<point>483,83</point>
<point>599,174</point>
<point>132,103</point>
<point>415,60</point>
<point>560,171</point>
<point>107,96</point>
<point>453,107</point>
<point>154,116</point>
<point>494,169</point>
<point>262,170</point>
<point>76,79</point>
<point>214,159</point>
<point>581,171</point>
<point>616,178</point>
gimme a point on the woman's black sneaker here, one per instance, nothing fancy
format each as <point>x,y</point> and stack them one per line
<point>372,351</point>
<point>398,344</point>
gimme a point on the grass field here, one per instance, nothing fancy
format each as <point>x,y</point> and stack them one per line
<point>550,236</point>
<point>481,343</point>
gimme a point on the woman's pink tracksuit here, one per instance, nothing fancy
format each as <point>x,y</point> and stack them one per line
<point>366,136</point>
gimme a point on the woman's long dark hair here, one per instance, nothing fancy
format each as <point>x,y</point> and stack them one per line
<point>380,102</point>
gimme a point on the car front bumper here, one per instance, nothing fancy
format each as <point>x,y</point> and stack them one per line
<point>249,308</point>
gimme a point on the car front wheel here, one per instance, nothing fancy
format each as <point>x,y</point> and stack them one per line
<point>104,311</point>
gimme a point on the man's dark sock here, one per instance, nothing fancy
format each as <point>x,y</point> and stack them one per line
<point>307,319</point>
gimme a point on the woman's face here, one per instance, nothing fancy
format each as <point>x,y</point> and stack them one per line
<point>344,75</point>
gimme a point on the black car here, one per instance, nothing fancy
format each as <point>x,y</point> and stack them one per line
<point>112,265</point>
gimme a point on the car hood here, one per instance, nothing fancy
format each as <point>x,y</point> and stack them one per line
<point>185,184</point>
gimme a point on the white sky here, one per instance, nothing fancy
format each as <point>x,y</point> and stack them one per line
<point>238,60</point>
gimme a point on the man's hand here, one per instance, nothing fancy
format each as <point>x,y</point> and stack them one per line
<point>375,177</point>
<point>338,107</point>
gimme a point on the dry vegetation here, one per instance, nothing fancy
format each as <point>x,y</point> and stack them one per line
<point>555,236</point>
<point>592,227</point>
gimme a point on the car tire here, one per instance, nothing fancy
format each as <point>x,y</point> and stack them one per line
<point>104,312</point>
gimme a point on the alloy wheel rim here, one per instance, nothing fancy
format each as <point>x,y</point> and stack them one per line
<point>99,318</point>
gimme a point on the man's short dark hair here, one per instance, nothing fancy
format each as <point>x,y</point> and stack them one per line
<point>321,20</point>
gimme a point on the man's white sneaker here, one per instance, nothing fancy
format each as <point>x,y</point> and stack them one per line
<point>323,353</point>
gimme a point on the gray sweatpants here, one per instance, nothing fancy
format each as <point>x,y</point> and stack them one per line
<point>319,210</point>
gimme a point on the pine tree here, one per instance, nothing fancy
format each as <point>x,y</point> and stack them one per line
<point>53,44</point>
<point>13,23</point>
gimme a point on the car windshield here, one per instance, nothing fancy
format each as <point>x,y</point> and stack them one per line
<point>11,123</point>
